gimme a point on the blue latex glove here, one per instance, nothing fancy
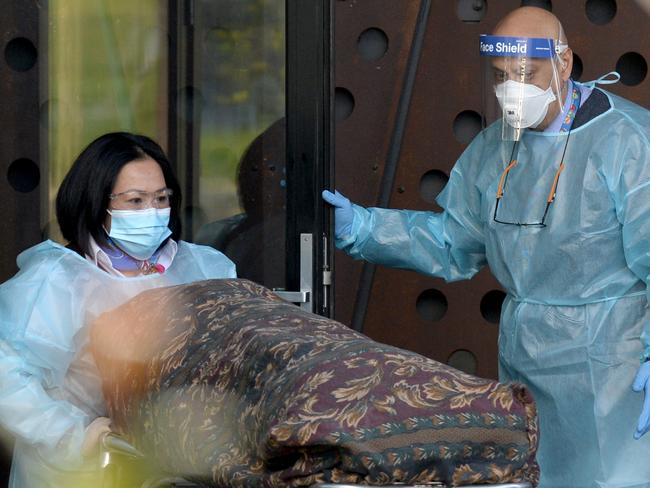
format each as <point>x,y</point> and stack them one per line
<point>642,383</point>
<point>343,213</point>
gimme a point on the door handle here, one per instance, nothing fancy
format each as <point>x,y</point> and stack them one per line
<point>303,297</point>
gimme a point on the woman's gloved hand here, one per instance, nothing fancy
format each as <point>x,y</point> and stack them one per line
<point>94,432</point>
<point>343,213</point>
<point>642,383</point>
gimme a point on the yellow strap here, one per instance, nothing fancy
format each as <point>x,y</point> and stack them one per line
<point>512,164</point>
<point>551,195</point>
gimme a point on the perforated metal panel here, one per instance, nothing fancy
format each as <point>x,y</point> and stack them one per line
<point>20,128</point>
<point>415,108</point>
<point>21,121</point>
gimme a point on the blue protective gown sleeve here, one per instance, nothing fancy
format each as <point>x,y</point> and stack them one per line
<point>629,183</point>
<point>56,427</point>
<point>49,392</point>
<point>449,245</point>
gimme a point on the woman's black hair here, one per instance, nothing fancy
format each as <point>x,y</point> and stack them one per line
<point>83,196</point>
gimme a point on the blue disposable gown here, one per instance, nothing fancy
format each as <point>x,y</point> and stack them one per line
<point>575,320</point>
<point>49,387</point>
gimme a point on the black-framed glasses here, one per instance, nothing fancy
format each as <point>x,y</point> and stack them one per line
<point>551,195</point>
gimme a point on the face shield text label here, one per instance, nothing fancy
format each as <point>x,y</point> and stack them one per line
<point>502,49</point>
<point>515,46</point>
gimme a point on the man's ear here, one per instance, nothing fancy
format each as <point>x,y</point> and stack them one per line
<point>566,64</point>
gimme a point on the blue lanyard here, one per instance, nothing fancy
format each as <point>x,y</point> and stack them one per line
<point>571,114</point>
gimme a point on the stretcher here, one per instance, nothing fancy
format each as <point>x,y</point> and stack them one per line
<point>300,391</point>
<point>115,451</point>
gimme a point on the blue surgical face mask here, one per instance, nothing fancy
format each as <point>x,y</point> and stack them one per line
<point>139,232</point>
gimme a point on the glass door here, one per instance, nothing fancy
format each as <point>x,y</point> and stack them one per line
<point>238,188</point>
<point>250,130</point>
<point>236,91</point>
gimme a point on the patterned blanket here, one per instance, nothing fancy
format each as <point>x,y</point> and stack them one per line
<point>226,384</point>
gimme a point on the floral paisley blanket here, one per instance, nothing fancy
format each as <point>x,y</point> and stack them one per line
<point>224,383</point>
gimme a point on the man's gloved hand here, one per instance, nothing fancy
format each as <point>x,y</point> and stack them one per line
<point>94,432</point>
<point>642,383</point>
<point>343,213</point>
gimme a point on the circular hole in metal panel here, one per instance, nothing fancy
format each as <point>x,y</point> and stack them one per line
<point>600,12</point>
<point>23,175</point>
<point>343,103</point>
<point>431,305</point>
<point>545,4</point>
<point>467,124</point>
<point>471,10</point>
<point>20,54</point>
<point>576,71</point>
<point>432,183</point>
<point>463,360</point>
<point>491,305</point>
<point>632,67</point>
<point>372,44</point>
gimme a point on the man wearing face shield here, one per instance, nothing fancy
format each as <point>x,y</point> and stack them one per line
<point>554,195</point>
<point>526,80</point>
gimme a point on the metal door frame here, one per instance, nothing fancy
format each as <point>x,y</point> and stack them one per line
<point>309,136</point>
<point>310,144</point>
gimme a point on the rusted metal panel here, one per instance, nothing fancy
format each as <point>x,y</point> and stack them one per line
<point>21,177</point>
<point>362,140</point>
<point>600,46</point>
<point>21,128</point>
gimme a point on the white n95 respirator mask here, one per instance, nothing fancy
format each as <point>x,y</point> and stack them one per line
<point>524,105</point>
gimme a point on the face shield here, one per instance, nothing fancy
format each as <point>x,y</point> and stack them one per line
<point>521,81</point>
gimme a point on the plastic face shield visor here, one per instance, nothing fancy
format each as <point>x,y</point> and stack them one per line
<point>521,82</point>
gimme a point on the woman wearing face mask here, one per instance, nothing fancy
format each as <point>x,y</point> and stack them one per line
<point>118,207</point>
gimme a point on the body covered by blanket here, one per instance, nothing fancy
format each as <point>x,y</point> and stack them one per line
<point>222,381</point>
